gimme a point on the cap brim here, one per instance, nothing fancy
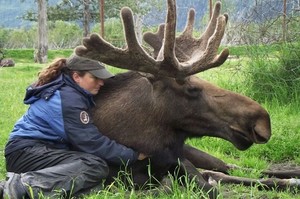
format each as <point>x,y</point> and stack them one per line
<point>101,73</point>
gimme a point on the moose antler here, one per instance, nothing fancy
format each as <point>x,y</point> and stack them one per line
<point>174,57</point>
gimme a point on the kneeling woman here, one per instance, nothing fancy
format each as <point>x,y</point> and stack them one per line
<point>55,146</point>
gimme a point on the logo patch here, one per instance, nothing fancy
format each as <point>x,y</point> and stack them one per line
<point>84,117</point>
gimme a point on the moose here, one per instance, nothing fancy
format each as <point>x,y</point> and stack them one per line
<point>160,102</point>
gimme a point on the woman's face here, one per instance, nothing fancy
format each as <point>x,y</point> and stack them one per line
<point>88,82</point>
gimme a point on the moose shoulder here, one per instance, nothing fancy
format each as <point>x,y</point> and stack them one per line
<point>160,103</point>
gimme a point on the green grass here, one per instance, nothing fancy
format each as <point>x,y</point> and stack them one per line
<point>27,55</point>
<point>283,146</point>
<point>13,82</point>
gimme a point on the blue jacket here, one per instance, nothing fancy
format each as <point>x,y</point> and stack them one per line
<point>59,116</point>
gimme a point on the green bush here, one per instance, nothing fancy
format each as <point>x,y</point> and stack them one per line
<point>64,35</point>
<point>113,31</point>
<point>274,75</point>
<point>289,59</point>
<point>60,35</point>
<point>4,34</point>
<point>20,38</point>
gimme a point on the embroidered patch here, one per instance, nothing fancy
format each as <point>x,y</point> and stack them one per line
<point>84,117</point>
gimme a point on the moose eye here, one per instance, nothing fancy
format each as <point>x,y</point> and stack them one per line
<point>192,92</point>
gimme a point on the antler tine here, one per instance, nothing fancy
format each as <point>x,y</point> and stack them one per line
<point>169,65</point>
<point>209,58</point>
<point>155,40</point>
<point>133,57</point>
<point>204,53</point>
<point>190,23</point>
<point>95,47</point>
<point>183,54</point>
<point>211,25</point>
<point>130,36</point>
<point>170,33</point>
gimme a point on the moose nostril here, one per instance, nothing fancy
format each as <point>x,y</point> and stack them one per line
<point>260,135</point>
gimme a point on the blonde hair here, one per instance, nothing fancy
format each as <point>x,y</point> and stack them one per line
<point>51,72</point>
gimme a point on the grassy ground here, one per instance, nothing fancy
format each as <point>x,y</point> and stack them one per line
<point>282,148</point>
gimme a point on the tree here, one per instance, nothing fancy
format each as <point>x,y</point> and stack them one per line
<point>84,11</point>
<point>87,11</point>
<point>76,10</point>
<point>139,9</point>
<point>86,17</point>
<point>284,21</point>
<point>41,54</point>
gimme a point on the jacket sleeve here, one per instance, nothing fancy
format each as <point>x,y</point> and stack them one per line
<point>87,138</point>
<point>84,136</point>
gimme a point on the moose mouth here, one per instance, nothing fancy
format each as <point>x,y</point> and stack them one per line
<point>240,139</point>
<point>243,139</point>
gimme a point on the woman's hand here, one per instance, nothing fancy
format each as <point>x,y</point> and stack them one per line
<point>142,156</point>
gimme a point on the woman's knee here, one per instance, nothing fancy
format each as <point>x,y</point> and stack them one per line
<point>97,165</point>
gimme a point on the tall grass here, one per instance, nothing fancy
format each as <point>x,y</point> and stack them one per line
<point>274,75</point>
<point>239,75</point>
<point>13,81</point>
<point>274,80</point>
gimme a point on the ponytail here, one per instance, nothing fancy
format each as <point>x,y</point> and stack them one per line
<point>51,72</point>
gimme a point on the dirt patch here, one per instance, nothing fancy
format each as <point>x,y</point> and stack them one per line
<point>284,167</point>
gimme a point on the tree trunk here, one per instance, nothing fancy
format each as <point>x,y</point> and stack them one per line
<point>284,22</point>
<point>101,9</point>
<point>86,18</point>
<point>41,54</point>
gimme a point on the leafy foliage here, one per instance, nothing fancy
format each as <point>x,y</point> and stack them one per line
<point>113,7</point>
<point>1,54</point>
<point>113,31</point>
<point>63,34</point>
<point>66,10</point>
<point>274,76</point>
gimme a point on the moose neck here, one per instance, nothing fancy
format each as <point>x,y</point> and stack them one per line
<point>129,111</point>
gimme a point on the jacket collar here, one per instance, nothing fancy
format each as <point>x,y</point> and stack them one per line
<point>45,91</point>
<point>70,82</point>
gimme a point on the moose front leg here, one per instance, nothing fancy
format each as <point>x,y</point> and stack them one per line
<point>203,160</point>
<point>283,174</point>
<point>217,170</point>
<point>266,184</point>
<point>186,168</point>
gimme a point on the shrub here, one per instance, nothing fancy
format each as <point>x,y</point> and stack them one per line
<point>4,34</point>
<point>20,38</point>
<point>64,35</point>
<point>276,75</point>
<point>113,31</point>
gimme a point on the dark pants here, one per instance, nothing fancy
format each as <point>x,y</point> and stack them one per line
<point>50,171</point>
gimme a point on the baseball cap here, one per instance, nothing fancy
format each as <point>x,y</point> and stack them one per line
<point>96,68</point>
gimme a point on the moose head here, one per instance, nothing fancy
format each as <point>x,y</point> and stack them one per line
<point>198,107</point>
